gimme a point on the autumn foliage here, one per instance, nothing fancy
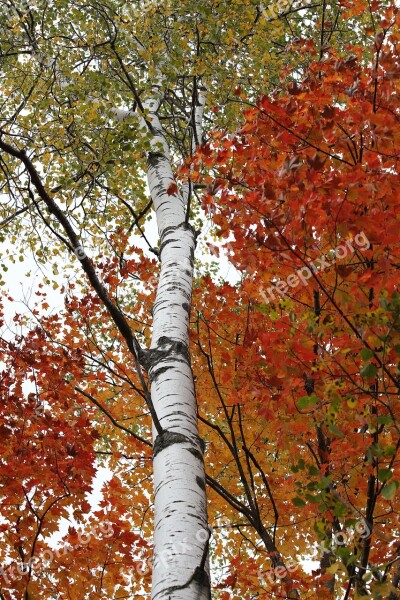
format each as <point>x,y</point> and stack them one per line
<point>297,366</point>
<point>305,351</point>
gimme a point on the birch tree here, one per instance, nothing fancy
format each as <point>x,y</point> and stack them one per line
<point>93,96</point>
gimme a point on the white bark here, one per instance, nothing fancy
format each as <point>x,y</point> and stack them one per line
<point>197,132</point>
<point>198,118</point>
<point>180,560</point>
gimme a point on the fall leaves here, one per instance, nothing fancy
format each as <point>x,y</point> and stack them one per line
<point>297,367</point>
<point>308,172</point>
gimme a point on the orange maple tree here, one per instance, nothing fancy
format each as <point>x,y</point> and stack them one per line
<point>303,354</point>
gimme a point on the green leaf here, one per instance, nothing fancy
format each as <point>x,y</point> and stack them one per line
<point>369,371</point>
<point>339,510</point>
<point>313,499</point>
<point>384,303</point>
<point>313,470</point>
<point>384,475</point>
<point>324,482</point>
<point>306,401</point>
<point>377,449</point>
<point>366,354</point>
<point>344,553</point>
<point>389,450</point>
<point>298,502</point>
<point>350,523</point>
<point>389,490</point>
<point>370,456</point>
<point>262,308</point>
<point>384,420</point>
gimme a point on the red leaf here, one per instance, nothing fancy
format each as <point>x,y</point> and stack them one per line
<point>172,189</point>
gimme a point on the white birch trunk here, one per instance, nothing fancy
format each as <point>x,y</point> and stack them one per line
<point>180,558</point>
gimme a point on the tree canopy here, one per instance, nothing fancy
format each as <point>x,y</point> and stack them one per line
<point>280,128</point>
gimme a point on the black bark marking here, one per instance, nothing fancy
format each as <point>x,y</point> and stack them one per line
<point>200,483</point>
<point>167,438</point>
<point>160,371</point>
<point>153,158</point>
<point>168,241</point>
<point>196,453</point>
<point>166,348</point>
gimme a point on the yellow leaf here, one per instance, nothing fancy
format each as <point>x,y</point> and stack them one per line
<point>333,568</point>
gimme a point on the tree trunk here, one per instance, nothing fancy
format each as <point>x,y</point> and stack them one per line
<point>181,534</point>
